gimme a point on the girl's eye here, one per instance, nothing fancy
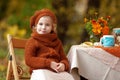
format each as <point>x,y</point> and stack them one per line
<point>40,24</point>
<point>47,24</point>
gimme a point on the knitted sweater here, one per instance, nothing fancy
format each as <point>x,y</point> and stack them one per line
<point>41,49</point>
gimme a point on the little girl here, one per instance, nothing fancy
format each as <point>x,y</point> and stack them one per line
<point>44,52</point>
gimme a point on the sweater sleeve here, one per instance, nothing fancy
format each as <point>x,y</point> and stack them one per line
<point>30,57</point>
<point>64,58</point>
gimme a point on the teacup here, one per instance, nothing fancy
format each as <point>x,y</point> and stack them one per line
<point>107,40</point>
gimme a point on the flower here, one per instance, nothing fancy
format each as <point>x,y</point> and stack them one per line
<point>98,26</point>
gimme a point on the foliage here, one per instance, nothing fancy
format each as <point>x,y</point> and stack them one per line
<point>113,10</point>
<point>22,16</point>
<point>15,31</point>
<point>98,26</point>
<point>62,8</point>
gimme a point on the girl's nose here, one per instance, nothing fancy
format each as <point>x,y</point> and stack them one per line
<point>43,26</point>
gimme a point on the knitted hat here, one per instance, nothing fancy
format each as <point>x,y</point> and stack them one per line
<point>38,14</point>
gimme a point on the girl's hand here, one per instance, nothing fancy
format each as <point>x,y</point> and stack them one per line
<point>54,66</point>
<point>60,67</point>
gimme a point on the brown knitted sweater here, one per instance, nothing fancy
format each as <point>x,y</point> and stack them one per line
<point>41,49</point>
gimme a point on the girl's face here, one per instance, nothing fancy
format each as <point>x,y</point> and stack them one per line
<point>44,25</point>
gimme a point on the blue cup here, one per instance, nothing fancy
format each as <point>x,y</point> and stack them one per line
<point>107,41</point>
<point>116,30</point>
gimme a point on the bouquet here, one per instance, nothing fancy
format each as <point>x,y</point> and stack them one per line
<point>97,27</point>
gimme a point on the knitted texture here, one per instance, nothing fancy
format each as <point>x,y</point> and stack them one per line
<point>41,49</point>
<point>40,13</point>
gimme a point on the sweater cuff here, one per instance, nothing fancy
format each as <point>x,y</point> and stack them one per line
<point>47,63</point>
<point>66,65</point>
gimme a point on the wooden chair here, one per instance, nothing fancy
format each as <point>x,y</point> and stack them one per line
<point>14,72</point>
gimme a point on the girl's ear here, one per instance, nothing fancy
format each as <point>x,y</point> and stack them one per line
<point>34,28</point>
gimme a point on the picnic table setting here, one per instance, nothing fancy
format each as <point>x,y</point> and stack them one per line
<point>99,58</point>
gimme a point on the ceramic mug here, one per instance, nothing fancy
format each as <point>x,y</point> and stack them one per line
<point>116,33</point>
<point>116,30</point>
<point>107,40</point>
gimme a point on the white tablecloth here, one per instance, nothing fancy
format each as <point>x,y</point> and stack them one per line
<point>93,63</point>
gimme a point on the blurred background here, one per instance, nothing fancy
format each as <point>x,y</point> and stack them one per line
<point>15,16</point>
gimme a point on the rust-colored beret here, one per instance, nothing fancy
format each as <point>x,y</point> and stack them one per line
<point>40,13</point>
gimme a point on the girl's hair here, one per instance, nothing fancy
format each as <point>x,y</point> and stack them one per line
<point>55,28</point>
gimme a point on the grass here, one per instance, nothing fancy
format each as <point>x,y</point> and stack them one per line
<point>3,67</point>
<point>3,53</point>
<point>2,75</point>
<point>4,61</point>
